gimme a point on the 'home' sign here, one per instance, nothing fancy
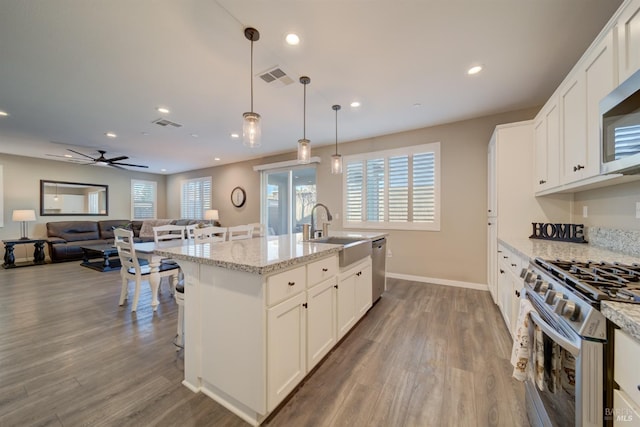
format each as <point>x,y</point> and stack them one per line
<point>560,232</point>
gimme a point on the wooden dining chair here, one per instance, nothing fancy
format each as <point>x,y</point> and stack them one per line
<point>210,234</point>
<point>189,230</point>
<point>240,232</point>
<point>259,230</point>
<point>162,233</point>
<point>132,270</point>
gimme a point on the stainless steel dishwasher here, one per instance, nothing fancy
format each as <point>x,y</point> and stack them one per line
<point>378,266</point>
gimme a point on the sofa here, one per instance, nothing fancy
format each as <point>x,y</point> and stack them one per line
<point>65,238</point>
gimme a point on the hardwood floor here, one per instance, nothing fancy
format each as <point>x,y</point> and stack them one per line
<point>425,355</point>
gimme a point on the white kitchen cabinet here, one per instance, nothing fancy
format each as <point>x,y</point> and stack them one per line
<point>627,376</point>
<point>363,289</point>
<point>510,265</point>
<point>321,321</point>
<point>286,348</point>
<point>573,119</point>
<point>492,258</point>
<point>580,97</point>
<point>353,296</point>
<point>628,31</point>
<point>547,147</point>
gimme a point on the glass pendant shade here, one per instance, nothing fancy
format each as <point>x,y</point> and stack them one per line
<point>336,164</point>
<point>251,131</point>
<point>304,151</point>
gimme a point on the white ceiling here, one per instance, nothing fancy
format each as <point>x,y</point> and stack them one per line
<point>72,70</point>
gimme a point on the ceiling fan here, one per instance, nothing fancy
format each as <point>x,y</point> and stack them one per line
<point>102,160</point>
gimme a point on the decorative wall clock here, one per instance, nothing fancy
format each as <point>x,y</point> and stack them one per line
<point>238,197</point>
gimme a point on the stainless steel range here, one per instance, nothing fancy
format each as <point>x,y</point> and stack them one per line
<point>572,381</point>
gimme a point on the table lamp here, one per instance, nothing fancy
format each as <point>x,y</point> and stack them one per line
<point>211,215</point>
<point>24,215</point>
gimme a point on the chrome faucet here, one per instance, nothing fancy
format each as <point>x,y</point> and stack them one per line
<point>313,225</point>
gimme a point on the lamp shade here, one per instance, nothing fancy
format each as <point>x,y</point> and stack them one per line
<point>24,215</point>
<point>211,214</point>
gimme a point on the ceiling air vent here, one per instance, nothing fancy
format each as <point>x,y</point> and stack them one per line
<point>276,75</point>
<point>165,122</point>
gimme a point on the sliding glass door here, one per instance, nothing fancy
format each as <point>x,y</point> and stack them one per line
<point>287,198</point>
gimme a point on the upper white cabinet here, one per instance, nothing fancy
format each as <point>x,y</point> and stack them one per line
<point>628,29</point>
<point>580,98</point>
<point>547,147</point>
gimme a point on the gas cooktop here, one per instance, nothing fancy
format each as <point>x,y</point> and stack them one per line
<point>597,281</point>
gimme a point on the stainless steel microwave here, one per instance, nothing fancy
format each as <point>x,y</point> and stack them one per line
<point>620,111</point>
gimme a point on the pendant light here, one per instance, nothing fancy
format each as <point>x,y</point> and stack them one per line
<point>251,131</point>
<point>336,159</point>
<point>304,145</point>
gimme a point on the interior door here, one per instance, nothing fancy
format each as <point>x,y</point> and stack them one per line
<point>287,198</point>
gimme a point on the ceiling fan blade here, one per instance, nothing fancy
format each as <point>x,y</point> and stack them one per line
<point>117,159</point>
<point>77,152</point>
<point>116,166</point>
<point>128,164</point>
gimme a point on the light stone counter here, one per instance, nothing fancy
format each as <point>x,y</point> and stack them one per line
<point>626,316</point>
<point>258,256</point>
<point>369,235</point>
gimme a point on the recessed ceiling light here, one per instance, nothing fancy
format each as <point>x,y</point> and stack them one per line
<point>3,113</point>
<point>355,104</point>
<point>195,135</point>
<point>163,170</point>
<point>417,105</point>
<point>145,133</point>
<point>111,135</point>
<point>163,110</point>
<point>69,156</point>
<point>235,135</point>
<point>292,39</point>
<point>217,159</point>
<point>474,70</point>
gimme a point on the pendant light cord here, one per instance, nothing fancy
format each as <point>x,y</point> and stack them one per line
<point>251,76</point>
<point>304,113</point>
<point>336,131</point>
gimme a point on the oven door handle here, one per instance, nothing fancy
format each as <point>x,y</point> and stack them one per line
<point>551,333</point>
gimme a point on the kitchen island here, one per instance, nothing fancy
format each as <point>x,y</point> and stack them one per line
<point>260,314</point>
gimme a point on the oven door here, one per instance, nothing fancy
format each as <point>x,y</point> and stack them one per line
<point>565,388</point>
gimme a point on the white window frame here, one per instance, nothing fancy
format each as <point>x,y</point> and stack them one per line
<point>434,225</point>
<point>206,199</point>
<point>153,184</point>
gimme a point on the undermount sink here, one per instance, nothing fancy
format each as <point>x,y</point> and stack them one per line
<point>353,248</point>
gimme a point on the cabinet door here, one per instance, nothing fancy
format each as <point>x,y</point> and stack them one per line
<point>492,257</point>
<point>346,303</point>
<point>552,118</point>
<point>516,286</point>
<point>321,321</point>
<point>574,129</point>
<point>540,147</point>
<point>492,190</point>
<point>286,343</point>
<point>600,80</point>
<point>363,290</point>
<point>629,41</point>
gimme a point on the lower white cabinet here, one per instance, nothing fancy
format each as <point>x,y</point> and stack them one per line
<point>509,284</point>
<point>626,401</point>
<point>286,348</point>
<point>354,296</point>
<point>321,321</point>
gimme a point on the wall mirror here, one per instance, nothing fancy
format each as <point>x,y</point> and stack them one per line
<point>73,198</point>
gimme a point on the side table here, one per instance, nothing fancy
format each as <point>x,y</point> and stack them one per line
<point>10,259</point>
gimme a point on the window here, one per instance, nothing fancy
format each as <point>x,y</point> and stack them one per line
<point>143,199</point>
<point>196,198</point>
<point>395,189</point>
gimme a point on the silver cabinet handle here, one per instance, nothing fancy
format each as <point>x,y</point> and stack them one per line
<point>291,283</point>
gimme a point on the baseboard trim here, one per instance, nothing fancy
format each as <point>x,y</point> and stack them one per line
<point>445,282</point>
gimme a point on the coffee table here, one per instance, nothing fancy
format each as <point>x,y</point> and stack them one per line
<point>104,251</point>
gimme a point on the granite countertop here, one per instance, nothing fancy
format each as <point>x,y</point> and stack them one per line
<point>261,255</point>
<point>626,316</point>
<point>369,235</point>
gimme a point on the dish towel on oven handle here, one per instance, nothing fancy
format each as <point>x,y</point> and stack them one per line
<point>521,351</point>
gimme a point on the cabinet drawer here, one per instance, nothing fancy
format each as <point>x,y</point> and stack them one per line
<point>625,412</point>
<point>626,373</point>
<point>321,270</point>
<point>286,284</point>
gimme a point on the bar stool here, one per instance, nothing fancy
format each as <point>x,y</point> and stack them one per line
<point>179,296</point>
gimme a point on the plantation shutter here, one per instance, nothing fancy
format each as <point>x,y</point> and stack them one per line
<point>143,199</point>
<point>196,198</point>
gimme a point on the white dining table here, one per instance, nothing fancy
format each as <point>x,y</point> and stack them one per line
<point>146,251</point>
